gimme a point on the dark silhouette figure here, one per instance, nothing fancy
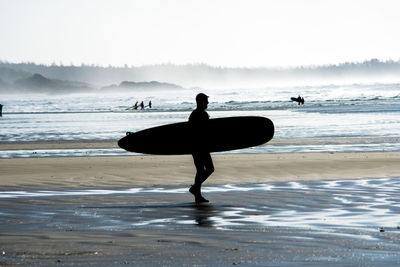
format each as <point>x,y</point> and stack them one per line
<point>150,104</point>
<point>141,105</point>
<point>202,158</point>
<point>1,110</point>
<point>300,100</point>
<point>136,105</point>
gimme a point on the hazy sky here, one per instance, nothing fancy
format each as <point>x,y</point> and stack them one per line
<point>216,32</point>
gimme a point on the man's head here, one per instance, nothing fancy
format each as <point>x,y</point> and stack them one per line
<point>202,101</point>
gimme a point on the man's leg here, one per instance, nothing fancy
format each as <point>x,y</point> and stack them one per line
<point>198,160</point>
<point>204,168</point>
<point>208,166</point>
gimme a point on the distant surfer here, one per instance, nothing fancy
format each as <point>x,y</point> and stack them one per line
<point>299,100</point>
<point>202,158</point>
<point>150,104</point>
<point>141,105</point>
<point>1,110</point>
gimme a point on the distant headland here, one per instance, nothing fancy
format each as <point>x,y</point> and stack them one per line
<point>17,77</point>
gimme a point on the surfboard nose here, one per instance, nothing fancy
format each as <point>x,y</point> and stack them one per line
<point>122,143</point>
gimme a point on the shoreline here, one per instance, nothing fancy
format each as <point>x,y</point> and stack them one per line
<point>59,144</point>
<point>307,223</point>
<point>101,144</point>
<point>149,171</point>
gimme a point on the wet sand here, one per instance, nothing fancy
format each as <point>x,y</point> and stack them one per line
<point>347,222</point>
<point>265,210</point>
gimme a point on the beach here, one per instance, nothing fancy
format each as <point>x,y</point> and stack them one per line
<point>323,191</point>
<point>144,171</point>
<point>265,210</point>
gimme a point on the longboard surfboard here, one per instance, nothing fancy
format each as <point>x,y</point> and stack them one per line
<point>216,135</point>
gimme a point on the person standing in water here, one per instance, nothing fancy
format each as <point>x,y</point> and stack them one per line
<point>202,158</point>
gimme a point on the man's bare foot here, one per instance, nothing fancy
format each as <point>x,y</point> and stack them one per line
<point>195,191</point>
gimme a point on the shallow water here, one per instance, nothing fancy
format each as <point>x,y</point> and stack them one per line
<point>377,128</point>
<point>331,111</point>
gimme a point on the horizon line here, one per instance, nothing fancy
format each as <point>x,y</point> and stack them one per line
<point>126,66</point>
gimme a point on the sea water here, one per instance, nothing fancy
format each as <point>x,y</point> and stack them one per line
<point>368,114</point>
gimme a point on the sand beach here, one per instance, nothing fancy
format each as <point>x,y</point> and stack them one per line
<point>265,210</point>
<point>143,171</point>
<point>319,188</point>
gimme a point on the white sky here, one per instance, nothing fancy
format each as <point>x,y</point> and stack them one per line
<point>216,32</point>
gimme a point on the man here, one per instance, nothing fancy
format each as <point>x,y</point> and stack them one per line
<point>202,158</point>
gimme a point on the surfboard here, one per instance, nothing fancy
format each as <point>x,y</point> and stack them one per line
<point>216,135</point>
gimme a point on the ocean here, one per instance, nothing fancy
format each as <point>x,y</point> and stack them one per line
<point>334,118</point>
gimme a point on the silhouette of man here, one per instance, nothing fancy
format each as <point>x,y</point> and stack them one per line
<point>202,158</point>
<point>300,100</point>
